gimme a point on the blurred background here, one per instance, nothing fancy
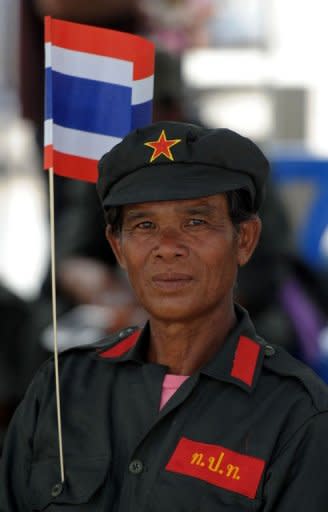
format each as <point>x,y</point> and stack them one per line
<point>256,66</point>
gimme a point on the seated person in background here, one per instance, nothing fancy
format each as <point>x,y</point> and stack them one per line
<point>195,411</point>
<point>13,312</point>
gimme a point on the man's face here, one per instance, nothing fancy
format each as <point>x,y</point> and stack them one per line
<point>182,256</point>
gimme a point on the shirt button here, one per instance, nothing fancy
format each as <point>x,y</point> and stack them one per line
<point>56,490</point>
<point>136,467</point>
<point>269,351</point>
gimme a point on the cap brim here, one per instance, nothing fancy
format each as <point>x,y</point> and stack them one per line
<point>176,181</point>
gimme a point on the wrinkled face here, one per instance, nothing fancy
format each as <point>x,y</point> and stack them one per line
<point>182,256</point>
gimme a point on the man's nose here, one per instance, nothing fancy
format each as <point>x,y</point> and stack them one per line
<point>170,245</point>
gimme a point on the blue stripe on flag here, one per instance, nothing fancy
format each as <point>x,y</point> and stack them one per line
<point>90,105</point>
<point>141,114</point>
<point>48,94</point>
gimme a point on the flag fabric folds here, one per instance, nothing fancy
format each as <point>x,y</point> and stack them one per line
<point>99,86</point>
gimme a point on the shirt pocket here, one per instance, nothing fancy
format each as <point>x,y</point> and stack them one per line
<point>215,499</point>
<point>84,479</point>
<point>184,493</point>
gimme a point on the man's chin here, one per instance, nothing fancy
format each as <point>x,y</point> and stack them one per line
<point>173,311</point>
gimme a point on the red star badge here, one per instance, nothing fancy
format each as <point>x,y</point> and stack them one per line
<point>162,146</point>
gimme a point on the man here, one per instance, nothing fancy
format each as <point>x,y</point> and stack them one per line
<point>194,412</point>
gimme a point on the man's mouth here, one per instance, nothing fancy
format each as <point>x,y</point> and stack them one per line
<point>171,280</point>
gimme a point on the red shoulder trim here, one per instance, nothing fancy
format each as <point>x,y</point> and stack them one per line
<point>122,347</point>
<point>245,360</point>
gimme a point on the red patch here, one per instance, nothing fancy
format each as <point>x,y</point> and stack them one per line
<point>218,466</point>
<point>245,360</point>
<point>122,347</point>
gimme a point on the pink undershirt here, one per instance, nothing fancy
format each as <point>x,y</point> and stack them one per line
<point>171,384</point>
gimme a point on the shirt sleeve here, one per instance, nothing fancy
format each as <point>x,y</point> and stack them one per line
<point>16,459</point>
<point>297,477</point>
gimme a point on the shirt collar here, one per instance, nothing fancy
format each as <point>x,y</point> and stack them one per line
<point>238,361</point>
<point>130,344</point>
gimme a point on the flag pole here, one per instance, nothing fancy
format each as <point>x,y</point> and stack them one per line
<point>54,319</point>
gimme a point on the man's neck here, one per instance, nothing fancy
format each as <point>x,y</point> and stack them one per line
<point>184,347</point>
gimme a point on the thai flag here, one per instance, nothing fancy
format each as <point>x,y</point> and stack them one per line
<point>99,86</point>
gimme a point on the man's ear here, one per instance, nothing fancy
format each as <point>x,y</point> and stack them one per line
<point>248,237</point>
<point>114,241</point>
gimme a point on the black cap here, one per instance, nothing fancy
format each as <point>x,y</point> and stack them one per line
<point>172,160</point>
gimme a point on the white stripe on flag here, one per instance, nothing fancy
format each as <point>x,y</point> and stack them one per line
<point>48,131</point>
<point>82,144</point>
<point>90,66</point>
<point>142,90</point>
<point>47,56</point>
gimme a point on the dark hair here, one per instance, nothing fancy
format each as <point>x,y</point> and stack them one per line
<point>114,218</point>
<point>239,205</point>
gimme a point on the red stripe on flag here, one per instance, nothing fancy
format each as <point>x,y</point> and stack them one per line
<point>48,158</point>
<point>102,41</point>
<point>47,29</point>
<point>71,166</point>
<point>122,347</point>
<point>245,360</point>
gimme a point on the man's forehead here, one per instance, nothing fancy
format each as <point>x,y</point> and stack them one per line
<point>213,202</point>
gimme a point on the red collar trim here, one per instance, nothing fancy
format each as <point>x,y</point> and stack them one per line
<point>245,360</point>
<point>122,347</point>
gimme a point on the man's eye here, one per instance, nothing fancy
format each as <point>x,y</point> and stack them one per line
<point>147,224</point>
<point>196,222</point>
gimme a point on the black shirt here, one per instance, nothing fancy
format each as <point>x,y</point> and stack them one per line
<point>245,433</point>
